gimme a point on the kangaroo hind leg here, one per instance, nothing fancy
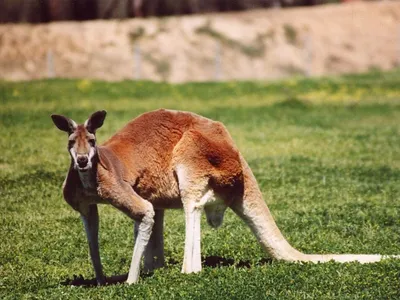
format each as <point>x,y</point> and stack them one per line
<point>195,194</point>
<point>204,164</point>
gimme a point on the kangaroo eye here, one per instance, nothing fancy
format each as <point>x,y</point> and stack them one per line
<point>92,142</point>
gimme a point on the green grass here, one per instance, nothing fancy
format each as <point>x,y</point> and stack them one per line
<point>326,154</point>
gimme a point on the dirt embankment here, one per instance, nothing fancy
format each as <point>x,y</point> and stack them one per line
<point>260,44</point>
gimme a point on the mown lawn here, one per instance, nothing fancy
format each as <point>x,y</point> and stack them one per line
<point>326,154</point>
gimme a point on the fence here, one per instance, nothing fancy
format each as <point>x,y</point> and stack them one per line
<point>243,46</point>
<point>137,61</point>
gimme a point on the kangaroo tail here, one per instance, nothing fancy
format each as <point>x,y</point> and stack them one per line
<point>253,210</point>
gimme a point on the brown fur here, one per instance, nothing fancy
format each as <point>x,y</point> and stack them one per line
<point>81,139</point>
<point>150,147</point>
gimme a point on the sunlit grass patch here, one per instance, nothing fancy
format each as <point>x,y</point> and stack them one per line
<point>325,153</point>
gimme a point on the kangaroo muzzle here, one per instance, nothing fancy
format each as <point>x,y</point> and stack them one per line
<point>82,161</point>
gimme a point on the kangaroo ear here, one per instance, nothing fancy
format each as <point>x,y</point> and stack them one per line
<point>95,121</point>
<point>63,123</point>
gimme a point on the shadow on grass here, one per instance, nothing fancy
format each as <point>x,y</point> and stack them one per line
<point>81,281</point>
<point>218,261</point>
<point>209,261</point>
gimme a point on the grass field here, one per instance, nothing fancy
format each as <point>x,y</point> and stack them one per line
<point>326,154</point>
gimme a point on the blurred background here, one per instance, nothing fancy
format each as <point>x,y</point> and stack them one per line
<point>34,11</point>
<point>193,40</point>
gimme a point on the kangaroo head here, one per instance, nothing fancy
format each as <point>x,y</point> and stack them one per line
<point>81,138</point>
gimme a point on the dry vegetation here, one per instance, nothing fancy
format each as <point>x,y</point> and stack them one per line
<point>259,44</point>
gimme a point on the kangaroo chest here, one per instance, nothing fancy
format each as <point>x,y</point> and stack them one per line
<point>89,184</point>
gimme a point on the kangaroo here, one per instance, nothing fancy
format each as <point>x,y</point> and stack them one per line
<point>169,159</point>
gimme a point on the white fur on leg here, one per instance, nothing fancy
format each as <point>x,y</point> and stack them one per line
<point>195,194</point>
<point>196,252</point>
<point>143,236</point>
<point>189,227</point>
<point>192,257</point>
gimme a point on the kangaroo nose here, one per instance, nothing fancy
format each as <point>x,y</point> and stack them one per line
<point>82,161</point>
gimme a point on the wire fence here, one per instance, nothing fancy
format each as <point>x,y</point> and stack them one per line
<point>272,46</point>
<point>218,61</point>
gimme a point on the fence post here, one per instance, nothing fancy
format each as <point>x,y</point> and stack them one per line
<point>137,58</point>
<point>50,64</point>
<point>308,55</point>
<point>218,72</point>
<point>276,4</point>
<point>398,35</point>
